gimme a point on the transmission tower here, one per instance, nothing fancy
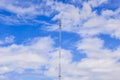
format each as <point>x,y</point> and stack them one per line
<point>60,41</point>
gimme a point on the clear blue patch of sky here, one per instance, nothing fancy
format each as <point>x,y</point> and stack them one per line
<point>110,42</point>
<point>47,19</point>
<point>113,4</point>
<point>77,55</point>
<point>21,33</point>
<point>5,12</point>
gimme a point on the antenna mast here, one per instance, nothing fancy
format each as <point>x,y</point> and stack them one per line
<point>60,41</point>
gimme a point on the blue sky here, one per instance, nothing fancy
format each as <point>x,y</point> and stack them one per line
<point>29,39</point>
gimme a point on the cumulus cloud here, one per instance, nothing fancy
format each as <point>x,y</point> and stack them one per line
<point>86,21</point>
<point>17,58</point>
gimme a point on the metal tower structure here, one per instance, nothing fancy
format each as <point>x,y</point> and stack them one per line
<point>60,42</point>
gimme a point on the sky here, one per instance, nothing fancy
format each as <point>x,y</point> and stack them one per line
<point>29,39</point>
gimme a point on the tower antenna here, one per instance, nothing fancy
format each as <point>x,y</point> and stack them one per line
<point>60,42</point>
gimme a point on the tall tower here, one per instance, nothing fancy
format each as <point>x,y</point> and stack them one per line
<point>60,41</point>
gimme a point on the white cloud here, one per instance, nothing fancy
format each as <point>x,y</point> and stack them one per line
<point>1,42</point>
<point>8,40</point>
<point>72,17</point>
<point>85,21</point>
<point>53,63</point>
<point>25,8</point>
<point>102,63</point>
<point>24,12</point>
<point>21,57</point>
<point>37,54</point>
<point>100,69</point>
<point>69,16</point>
<point>4,69</point>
